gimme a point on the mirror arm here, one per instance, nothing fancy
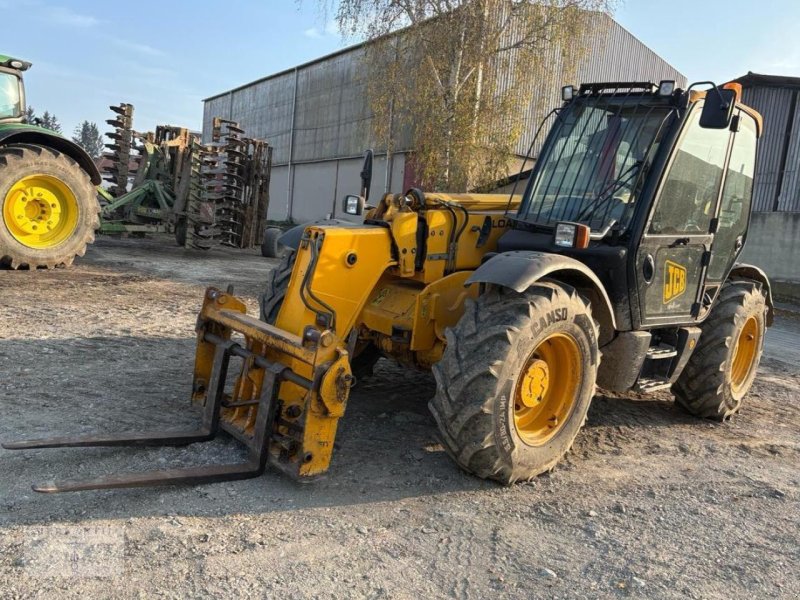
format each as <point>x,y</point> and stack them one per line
<point>724,104</point>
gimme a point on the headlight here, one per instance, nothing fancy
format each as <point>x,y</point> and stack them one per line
<point>567,93</point>
<point>565,235</point>
<point>571,235</point>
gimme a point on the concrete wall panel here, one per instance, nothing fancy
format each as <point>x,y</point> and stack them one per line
<point>773,243</point>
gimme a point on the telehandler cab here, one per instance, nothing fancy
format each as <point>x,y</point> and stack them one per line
<point>622,246</point>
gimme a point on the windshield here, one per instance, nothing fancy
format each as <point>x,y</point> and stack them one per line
<point>591,169</point>
<point>9,96</point>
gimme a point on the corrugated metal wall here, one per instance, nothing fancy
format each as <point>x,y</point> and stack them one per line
<point>318,111</point>
<point>777,163</point>
<point>332,117</point>
<point>614,55</point>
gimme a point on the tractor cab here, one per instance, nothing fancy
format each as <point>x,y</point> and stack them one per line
<point>649,186</point>
<point>12,91</point>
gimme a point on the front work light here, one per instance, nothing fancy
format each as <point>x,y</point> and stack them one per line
<point>15,63</point>
<point>567,93</point>
<point>571,235</point>
<point>353,205</point>
<point>666,87</point>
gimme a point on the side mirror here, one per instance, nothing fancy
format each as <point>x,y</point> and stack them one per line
<point>718,109</point>
<point>353,205</point>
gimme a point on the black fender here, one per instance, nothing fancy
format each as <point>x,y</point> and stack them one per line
<point>25,134</point>
<point>291,237</point>
<point>757,274</point>
<point>520,269</point>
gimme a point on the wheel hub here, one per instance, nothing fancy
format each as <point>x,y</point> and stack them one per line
<point>535,383</point>
<point>40,211</point>
<point>745,353</point>
<point>547,389</point>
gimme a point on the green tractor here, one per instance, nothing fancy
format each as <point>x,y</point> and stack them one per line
<point>47,185</point>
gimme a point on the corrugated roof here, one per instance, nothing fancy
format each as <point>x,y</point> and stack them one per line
<point>362,44</point>
<point>755,79</point>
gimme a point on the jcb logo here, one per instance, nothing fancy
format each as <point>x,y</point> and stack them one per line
<point>674,281</point>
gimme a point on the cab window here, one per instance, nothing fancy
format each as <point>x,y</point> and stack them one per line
<point>689,194</point>
<point>9,96</point>
<point>736,196</point>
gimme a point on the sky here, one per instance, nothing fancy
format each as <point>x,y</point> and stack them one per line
<point>164,57</point>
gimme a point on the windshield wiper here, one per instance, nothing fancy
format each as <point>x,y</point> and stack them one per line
<point>608,193</point>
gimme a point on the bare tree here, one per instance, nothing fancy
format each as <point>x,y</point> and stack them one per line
<point>455,83</point>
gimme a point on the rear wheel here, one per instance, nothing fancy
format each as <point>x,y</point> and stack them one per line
<point>49,207</point>
<point>516,380</point>
<point>270,248</point>
<point>277,284</point>
<point>723,366</point>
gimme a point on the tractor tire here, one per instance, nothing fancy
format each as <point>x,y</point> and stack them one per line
<point>722,368</point>
<point>49,207</point>
<point>271,300</point>
<point>270,248</point>
<point>277,284</point>
<point>516,380</point>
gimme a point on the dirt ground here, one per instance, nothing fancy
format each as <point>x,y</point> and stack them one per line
<point>650,503</point>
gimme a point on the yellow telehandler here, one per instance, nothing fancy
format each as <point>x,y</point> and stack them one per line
<point>623,246</point>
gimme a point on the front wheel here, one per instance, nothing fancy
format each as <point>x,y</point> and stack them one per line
<point>49,207</point>
<point>516,380</point>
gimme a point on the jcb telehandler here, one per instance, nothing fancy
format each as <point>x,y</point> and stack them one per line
<point>622,246</point>
<point>47,185</point>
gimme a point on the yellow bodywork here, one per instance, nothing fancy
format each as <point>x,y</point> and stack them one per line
<point>395,282</point>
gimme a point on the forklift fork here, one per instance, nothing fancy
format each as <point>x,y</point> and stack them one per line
<point>257,444</point>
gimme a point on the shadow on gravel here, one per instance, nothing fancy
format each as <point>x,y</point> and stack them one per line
<point>610,410</point>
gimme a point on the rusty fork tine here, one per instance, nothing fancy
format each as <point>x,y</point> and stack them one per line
<point>258,447</point>
<point>196,475</point>
<point>153,438</point>
<point>206,432</point>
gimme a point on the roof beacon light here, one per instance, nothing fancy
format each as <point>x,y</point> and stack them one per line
<point>735,87</point>
<point>567,93</point>
<point>666,87</point>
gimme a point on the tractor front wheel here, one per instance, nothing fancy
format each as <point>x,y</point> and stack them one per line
<point>516,380</point>
<point>49,207</point>
<point>722,368</point>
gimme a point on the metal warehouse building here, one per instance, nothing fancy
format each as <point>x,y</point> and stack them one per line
<point>316,117</point>
<point>774,238</point>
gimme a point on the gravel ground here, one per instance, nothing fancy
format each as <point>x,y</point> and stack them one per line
<point>651,503</point>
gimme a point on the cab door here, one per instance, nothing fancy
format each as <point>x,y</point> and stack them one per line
<point>675,248</point>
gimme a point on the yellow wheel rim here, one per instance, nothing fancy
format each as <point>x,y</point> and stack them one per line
<point>744,354</point>
<point>547,389</point>
<point>40,211</point>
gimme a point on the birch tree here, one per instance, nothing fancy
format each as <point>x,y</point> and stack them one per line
<point>453,79</point>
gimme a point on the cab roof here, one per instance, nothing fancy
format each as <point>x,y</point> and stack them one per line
<point>5,61</point>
